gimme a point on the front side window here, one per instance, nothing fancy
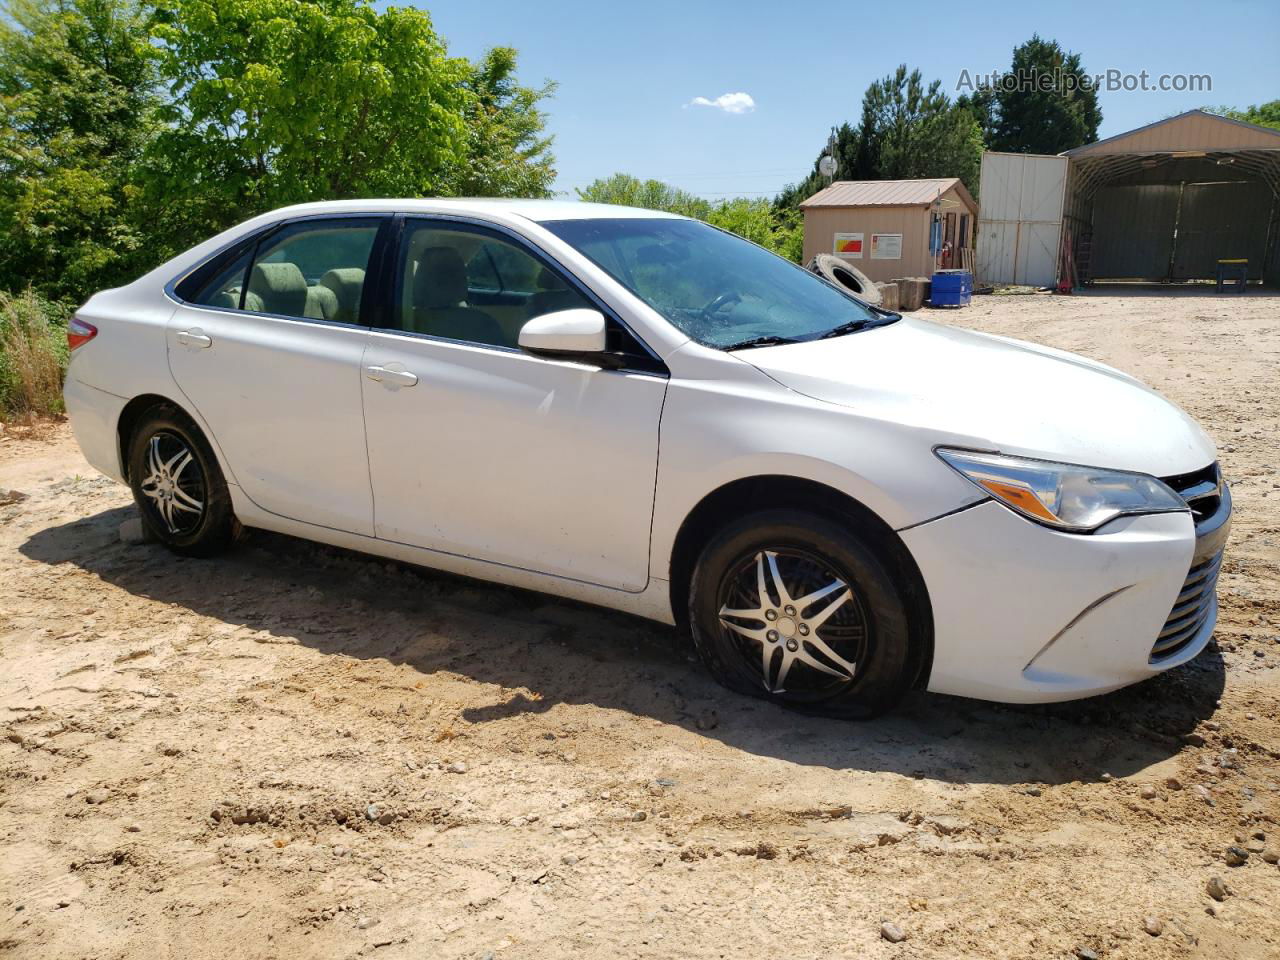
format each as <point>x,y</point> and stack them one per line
<point>718,289</point>
<point>462,283</point>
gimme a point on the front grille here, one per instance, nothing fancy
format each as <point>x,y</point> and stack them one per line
<point>1190,610</point>
<point>1202,489</point>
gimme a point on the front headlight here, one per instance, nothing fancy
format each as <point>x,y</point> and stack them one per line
<point>1063,495</point>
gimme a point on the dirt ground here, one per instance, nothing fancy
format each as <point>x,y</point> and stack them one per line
<point>297,752</point>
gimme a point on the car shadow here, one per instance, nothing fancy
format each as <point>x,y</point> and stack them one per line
<point>337,601</point>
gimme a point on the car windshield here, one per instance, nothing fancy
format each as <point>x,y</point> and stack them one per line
<point>719,289</point>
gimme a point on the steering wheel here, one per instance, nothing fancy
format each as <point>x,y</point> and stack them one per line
<point>718,303</point>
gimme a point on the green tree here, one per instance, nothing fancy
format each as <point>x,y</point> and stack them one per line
<point>1045,104</point>
<point>756,219</point>
<point>759,221</point>
<point>1263,114</point>
<point>628,191</point>
<point>508,152</point>
<point>907,131</point>
<point>282,101</point>
<point>77,83</point>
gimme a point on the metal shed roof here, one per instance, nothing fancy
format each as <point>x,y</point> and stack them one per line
<point>1234,147</point>
<point>886,193</point>
<point>1190,131</point>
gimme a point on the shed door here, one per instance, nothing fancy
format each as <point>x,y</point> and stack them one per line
<point>1226,220</point>
<point>1133,231</point>
<point>1020,220</point>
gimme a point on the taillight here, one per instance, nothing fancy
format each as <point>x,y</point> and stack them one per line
<point>79,333</point>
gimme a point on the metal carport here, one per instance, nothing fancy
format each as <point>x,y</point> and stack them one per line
<point>1165,202</point>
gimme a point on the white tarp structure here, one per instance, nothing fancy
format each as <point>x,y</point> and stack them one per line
<point>1020,218</point>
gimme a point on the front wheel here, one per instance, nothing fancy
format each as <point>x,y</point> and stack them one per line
<point>178,485</point>
<point>796,608</point>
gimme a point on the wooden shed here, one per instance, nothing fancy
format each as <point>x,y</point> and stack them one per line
<point>884,227</point>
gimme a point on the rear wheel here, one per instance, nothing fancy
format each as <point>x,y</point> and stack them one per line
<point>796,608</point>
<point>178,486</point>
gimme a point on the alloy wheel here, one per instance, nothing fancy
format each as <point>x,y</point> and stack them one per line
<point>798,623</point>
<point>174,485</point>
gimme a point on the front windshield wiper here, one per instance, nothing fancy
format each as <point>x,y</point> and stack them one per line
<point>769,340</point>
<point>853,326</point>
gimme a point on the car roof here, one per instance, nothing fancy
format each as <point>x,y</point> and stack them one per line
<point>539,211</point>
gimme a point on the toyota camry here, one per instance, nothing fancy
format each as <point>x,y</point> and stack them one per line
<point>640,411</point>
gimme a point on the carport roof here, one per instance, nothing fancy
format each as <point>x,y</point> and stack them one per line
<point>1240,149</point>
<point>1194,130</point>
<point>886,193</point>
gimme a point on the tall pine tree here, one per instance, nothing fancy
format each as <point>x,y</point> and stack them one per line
<point>1047,106</point>
<point>908,130</point>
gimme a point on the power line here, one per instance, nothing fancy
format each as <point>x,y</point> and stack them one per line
<point>716,176</point>
<point>736,193</point>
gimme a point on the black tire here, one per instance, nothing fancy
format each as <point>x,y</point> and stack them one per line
<point>165,435</point>
<point>868,630</point>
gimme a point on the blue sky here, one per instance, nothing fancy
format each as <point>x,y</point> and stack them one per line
<point>627,73</point>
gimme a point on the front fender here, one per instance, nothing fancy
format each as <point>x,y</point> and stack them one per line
<point>715,432</point>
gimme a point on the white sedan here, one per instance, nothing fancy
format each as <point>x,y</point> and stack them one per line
<point>640,411</point>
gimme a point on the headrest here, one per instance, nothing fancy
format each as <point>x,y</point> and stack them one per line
<point>281,286</point>
<point>346,284</point>
<point>441,279</point>
<point>322,303</point>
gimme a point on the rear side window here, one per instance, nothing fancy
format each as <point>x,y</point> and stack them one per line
<point>224,289</point>
<point>313,269</point>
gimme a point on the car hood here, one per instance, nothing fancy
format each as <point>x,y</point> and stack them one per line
<point>974,389</point>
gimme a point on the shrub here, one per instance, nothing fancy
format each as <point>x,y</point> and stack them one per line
<point>33,355</point>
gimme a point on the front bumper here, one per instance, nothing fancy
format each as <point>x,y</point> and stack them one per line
<point>1026,614</point>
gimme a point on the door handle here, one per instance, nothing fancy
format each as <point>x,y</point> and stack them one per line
<point>398,378</point>
<point>194,338</point>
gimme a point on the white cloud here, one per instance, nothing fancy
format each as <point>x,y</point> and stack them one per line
<point>728,102</point>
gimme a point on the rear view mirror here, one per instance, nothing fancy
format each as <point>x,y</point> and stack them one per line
<point>567,335</point>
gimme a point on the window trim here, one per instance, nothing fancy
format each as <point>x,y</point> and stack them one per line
<point>252,242</point>
<point>390,280</point>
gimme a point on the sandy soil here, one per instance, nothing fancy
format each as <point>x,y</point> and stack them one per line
<point>296,752</point>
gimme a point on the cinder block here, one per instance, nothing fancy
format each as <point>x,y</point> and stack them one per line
<point>912,292</point>
<point>888,296</point>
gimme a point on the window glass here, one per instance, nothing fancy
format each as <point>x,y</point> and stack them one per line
<point>226,285</point>
<point>715,287</point>
<point>470,285</point>
<point>517,271</point>
<point>314,269</point>
<point>482,274</point>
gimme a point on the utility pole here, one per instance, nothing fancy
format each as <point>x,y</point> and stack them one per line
<point>829,165</point>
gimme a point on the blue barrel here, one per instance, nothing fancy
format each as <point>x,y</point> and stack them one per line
<point>951,288</point>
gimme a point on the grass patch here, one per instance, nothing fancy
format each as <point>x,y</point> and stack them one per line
<point>33,356</point>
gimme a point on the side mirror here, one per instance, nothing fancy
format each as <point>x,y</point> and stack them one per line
<point>567,335</point>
